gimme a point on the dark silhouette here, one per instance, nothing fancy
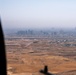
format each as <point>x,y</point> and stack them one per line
<point>45,71</point>
<point>3,69</point>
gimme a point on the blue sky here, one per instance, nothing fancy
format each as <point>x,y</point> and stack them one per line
<point>38,13</point>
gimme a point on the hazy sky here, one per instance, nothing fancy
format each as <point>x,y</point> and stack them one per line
<point>38,13</point>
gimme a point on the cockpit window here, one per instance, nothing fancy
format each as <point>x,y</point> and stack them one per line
<point>40,36</point>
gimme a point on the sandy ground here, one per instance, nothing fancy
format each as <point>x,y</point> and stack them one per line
<point>28,57</point>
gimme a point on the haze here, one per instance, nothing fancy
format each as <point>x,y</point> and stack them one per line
<point>38,13</point>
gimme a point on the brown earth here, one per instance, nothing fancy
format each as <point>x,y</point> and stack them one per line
<point>29,56</point>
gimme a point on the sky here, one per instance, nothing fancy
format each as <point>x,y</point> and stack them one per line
<point>38,13</point>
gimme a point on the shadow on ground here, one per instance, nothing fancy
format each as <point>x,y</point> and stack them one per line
<point>45,71</point>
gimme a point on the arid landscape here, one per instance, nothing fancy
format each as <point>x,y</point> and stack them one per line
<point>39,36</point>
<point>28,55</point>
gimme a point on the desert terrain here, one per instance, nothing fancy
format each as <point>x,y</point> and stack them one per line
<point>27,56</point>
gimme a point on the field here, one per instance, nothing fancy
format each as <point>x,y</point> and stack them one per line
<point>27,56</point>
